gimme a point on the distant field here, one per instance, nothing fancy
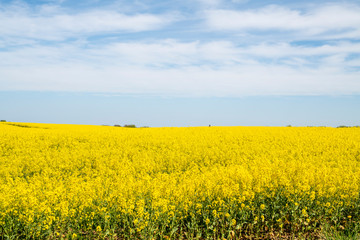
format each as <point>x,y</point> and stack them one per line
<point>77,181</point>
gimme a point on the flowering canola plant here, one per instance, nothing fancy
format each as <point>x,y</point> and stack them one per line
<point>76,181</point>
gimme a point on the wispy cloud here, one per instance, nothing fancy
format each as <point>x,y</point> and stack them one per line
<point>331,20</point>
<point>244,80</point>
<point>170,67</point>
<point>50,22</point>
<point>50,48</point>
<point>171,53</point>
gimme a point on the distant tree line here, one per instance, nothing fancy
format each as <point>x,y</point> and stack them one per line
<point>129,126</point>
<point>343,126</point>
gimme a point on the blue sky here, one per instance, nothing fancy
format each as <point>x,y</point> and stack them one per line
<point>191,63</point>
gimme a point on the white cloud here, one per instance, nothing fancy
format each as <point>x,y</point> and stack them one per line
<point>338,19</point>
<point>52,23</point>
<point>279,50</point>
<point>189,81</point>
<point>170,67</point>
<point>169,52</point>
<point>175,67</point>
<point>172,54</point>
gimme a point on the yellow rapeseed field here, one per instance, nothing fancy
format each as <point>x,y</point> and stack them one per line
<point>77,181</point>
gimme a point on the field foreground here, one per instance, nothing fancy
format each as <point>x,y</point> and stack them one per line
<point>74,181</point>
